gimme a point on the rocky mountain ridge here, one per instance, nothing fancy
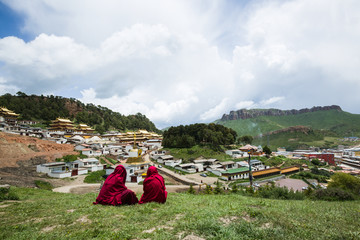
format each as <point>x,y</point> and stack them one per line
<point>253,113</point>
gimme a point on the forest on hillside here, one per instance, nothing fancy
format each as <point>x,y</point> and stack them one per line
<point>198,134</point>
<point>47,108</point>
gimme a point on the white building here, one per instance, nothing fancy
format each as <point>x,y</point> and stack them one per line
<point>88,152</point>
<point>173,163</point>
<point>54,169</point>
<point>153,143</point>
<point>91,164</point>
<point>190,167</point>
<point>235,153</point>
<point>81,147</point>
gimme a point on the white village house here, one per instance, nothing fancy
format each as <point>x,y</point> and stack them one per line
<point>91,164</point>
<point>54,169</point>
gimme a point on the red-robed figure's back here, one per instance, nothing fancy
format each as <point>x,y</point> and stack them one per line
<point>154,187</point>
<point>114,192</point>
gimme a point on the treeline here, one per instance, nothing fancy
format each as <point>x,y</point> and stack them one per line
<point>47,108</point>
<point>198,134</point>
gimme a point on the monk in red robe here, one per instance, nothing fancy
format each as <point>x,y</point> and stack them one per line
<point>114,192</point>
<point>154,187</point>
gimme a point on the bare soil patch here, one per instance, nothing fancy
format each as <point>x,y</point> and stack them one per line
<point>19,156</point>
<point>228,220</point>
<point>48,229</point>
<point>193,237</point>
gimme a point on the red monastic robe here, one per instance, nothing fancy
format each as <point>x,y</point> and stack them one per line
<point>154,187</point>
<point>114,192</point>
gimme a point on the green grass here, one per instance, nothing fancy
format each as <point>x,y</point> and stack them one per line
<point>276,161</point>
<point>113,161</point>
<point>41,214</point>
<point>95,177</point>
<point>7,194</point>
<point>188,154</point>
<point>43,185</point>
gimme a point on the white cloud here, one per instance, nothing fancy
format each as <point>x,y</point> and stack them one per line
<point>216,111</point>
<point>165,59</point>
<point>271,101</point>
<point>7,88</point>
<point>245,104</point>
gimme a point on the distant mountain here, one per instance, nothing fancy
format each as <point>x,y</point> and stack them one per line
<point>47,108</point>
<point>328,121</point>
<point>253,113</point>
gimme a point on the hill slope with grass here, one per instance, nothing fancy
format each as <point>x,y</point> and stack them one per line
<point>340,122</point>
<point>41,214</point>
<point>328,123</point>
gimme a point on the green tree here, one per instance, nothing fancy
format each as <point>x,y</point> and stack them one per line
<point>346,182</point>
<point>246,139</point>
<point>267,150</point>
<point>218,188</point>
<point>100,129</point>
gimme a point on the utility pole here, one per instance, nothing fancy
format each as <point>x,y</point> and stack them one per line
<point>250,174</point>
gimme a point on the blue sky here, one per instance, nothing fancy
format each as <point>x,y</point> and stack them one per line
<point>184,61</point>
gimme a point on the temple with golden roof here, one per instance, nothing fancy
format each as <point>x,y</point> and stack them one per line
<point>8,115</point>
<point>62,124</point>
<point>140,135</point>
<point>84,128</point>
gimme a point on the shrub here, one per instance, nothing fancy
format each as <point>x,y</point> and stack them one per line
<point>274,192</point>
<point>70,158</point>
<point>234,189</point>
<point>7,194</point>
<point>208,189</point>
<point>345,182</point>
<point>95,177</point>
<point>322,172</point>
<point>333,194</point>
<point>191,189</point>
<point>43,185</point>
<point>190,151</point>
<point>317,162</point>
<point>218,189</point>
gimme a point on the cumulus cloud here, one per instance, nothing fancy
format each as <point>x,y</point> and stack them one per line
<point>167,61</point>
<point>7,88</point>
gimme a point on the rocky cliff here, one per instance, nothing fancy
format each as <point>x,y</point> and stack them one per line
<point>253,113</point>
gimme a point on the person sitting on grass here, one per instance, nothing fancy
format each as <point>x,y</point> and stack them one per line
<point>114,192</point>
<point>154,187</point>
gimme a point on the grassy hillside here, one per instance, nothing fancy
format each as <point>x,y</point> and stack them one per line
<point>341,123</point>
<point>42,214</point>
<point>296,140</point>
<point>299,140</point>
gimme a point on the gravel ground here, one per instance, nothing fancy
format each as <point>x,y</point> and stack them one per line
<point>295,184</point>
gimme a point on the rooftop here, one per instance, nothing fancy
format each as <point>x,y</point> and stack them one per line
<point>236,170</point>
